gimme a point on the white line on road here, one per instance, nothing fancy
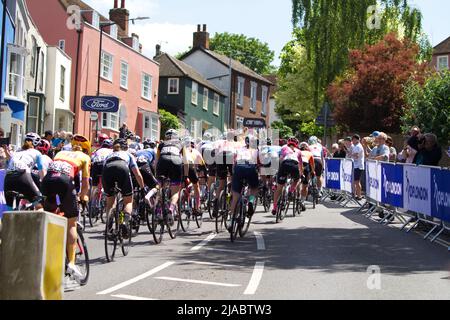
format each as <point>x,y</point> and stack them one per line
<point>128,297</point>
<point>199,282</point>
<point>256,278</point>
<point>215,264</point>
<point>138,278</point>
<point>228,250</point>
<point>204,242</point>
<point>260,241</point>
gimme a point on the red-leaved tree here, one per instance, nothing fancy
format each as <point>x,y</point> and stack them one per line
<point>370,95</point>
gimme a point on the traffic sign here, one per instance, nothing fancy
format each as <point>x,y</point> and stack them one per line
<point>94,116</point>
<point>325,113</point>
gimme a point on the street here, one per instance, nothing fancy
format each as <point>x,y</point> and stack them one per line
<point>322,254</point>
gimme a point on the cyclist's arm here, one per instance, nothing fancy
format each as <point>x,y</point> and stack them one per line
<point>185,162</point>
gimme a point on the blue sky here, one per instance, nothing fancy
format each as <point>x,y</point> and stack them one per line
<point>173,21</point>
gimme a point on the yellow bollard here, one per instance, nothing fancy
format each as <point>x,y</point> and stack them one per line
<point>32,256</point>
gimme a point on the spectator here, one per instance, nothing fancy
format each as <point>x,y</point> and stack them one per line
<point>124,133</point>
<point>357,154</point>
<point>68,142</point>
<point>48,135</point>
<point>381,151</point>
<point>430,153</point>
<point>334,148</point>
<point>348,146</point>
<point>392,151</point>
<point>341,153</point>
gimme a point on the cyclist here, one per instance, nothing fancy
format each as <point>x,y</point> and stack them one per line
<point>97,161</point>
<point>101,138</point>
<point>291,165</point>
<point>270,161</point>
<point>44,148</point>
<point>196,162</point>
<point>318,152</point>
<point>116,171</point>
<point>136,144</point>
<point>207,150</point>
<point>59,181</point>
<point>246,168</point>
<point>172,163</point>
<point>308,170</point>
<point>18,172</point>
<point>145,160</point>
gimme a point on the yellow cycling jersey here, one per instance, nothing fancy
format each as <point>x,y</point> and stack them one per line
<point>77,160</point>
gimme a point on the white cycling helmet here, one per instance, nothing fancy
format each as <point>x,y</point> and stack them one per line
<point>34,138</point>
<point>171,133</point>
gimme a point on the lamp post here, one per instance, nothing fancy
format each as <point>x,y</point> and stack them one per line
<point>102,26</point>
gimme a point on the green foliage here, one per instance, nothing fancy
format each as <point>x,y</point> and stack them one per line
<point>168,121</point>
<point>284,130</point>
<point>251,52</point>
<point>430,106</point>
<point>308,129</point>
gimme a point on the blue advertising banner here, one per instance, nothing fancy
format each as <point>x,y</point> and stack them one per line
<point>333,172</point>
<point>3,206</point>
<point>440,194</point>
<point>392,185</point>
<point>100,104</point>
<point>417,189</point>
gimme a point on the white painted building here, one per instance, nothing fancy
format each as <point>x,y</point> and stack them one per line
<point>58,115</point>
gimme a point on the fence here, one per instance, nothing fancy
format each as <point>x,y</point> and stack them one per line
<point>419,193</point>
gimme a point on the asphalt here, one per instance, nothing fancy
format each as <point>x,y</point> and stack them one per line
<point>326,253</point>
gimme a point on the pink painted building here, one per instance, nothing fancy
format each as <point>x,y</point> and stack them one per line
<point>125,72</point>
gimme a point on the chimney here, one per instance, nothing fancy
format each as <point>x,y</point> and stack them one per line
<point>158,50</point>
<point>120,16</point>
<point>201,38</point>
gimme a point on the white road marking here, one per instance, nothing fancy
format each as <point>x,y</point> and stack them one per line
<point>228,250</point>
<point>204,242</point>
<point>215,264</point>
<point>199,282</point>
<point>138,278</point>
<point>128,297</point>
<point>259,241</point>
<point>256,278</point>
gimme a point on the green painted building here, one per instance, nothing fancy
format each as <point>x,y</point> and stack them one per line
<point>198,103</point>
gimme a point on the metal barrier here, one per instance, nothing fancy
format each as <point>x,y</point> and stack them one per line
<point>406,192</point>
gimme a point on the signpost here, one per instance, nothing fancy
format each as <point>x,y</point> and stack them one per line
<point>325,119</point>
<point>94,116</point>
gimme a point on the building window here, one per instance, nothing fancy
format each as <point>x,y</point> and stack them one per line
<point>205,99</point>
<point>62,45</point>
<point>216,109</point>
<point>194,98</point>
<point>173,86</point>
<point>95,20</point>
<point>107,66</point>
<point>41,72</point>
<point>16,75</point>
<point>33,115</point>
<point>124,74</point>
<point>113,31</point>
<point>442,63</point>
<point>110,121</point>
<point>62,80</point>
<point>196,128</point>
<point>33,56</point>
<point>147,122</point>
<point>253,96</point>
<point>264,99</point>
<point>147,86</point>
<point>155,128</point>
<point>240,93</point>
<point>239,123</point>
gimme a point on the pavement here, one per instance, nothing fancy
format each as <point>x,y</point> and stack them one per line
<point>327,253</point>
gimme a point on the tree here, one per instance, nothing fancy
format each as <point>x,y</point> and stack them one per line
<point>370,96</point>
<point>251,52</point>
<point>429,106</point>
<point>284,130</point>
<point>168,121</point>
<point>330,28</point>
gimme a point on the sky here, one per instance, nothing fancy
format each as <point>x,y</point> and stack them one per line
<point>172,22</point>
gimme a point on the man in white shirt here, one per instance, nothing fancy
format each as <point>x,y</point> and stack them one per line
<point>357,154</point>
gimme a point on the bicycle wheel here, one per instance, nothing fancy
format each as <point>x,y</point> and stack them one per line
<point>93,216</point>
<point>171,228</point>
<point>184,220</point>
<point>222,214</point>
<point>126,242</point>
<point>148,217</point>
<point>157,225</point>
<point>199,219</point>
<point>111,237</point>
<point>211,197</point>
<point>102,207</point>
<point>246,220</point>
<point>235,222</point>
<point>82,258</point>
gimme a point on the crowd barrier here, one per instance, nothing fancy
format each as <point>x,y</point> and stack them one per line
<point>420,193</point>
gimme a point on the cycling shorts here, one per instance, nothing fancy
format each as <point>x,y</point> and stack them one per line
<point>288,168</point>
<point>318,167</point>
<point>247,172</point>
<point>61,185</point>
<point>167,168</point>
<point>20,182</point>
<point>306,173</point>
<point>148,176</point>
<point>117,172</point>
<point>96,173</point>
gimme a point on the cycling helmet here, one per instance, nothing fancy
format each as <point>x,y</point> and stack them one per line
<point>44,146</point>
<point>82,142</point>
<point>207,136</point>
<point>108,143</point>
<point>313,140</point>
<point>147,143</point>
<point>304,146</point>
<point>293,142</point>
<point>137,139</point>
<point>102,137</point>
<point>34,138</point>
<point>122,142</point>
<point>171,134</point>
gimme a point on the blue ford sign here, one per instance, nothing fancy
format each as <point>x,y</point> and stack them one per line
<point>100,104</point>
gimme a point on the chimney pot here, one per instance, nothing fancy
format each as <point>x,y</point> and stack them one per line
<point>198,28</point>
<point>158,50</point>
<point>204,28</point>
<point>116,4</point>
<point>122,4</point>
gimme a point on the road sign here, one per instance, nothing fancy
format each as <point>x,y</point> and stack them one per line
<point>100,104</point>
<point>325,113</point>
<point>94,116</point>
<point>254,123</point>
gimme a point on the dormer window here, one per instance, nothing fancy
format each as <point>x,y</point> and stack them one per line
<point>95,20</point>
<point>113,31</point>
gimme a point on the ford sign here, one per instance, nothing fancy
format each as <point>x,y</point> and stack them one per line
<point>100,104</point>
<point>254,123</point>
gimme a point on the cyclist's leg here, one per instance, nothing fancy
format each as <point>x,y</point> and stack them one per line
<point>193,177</point>
<point>238,177</point>
<point>108,181</point>
<point>253,183</point>
<point>281,181</point>
<point>69,205</point>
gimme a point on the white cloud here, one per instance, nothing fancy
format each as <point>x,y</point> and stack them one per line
<point>173,38</point>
